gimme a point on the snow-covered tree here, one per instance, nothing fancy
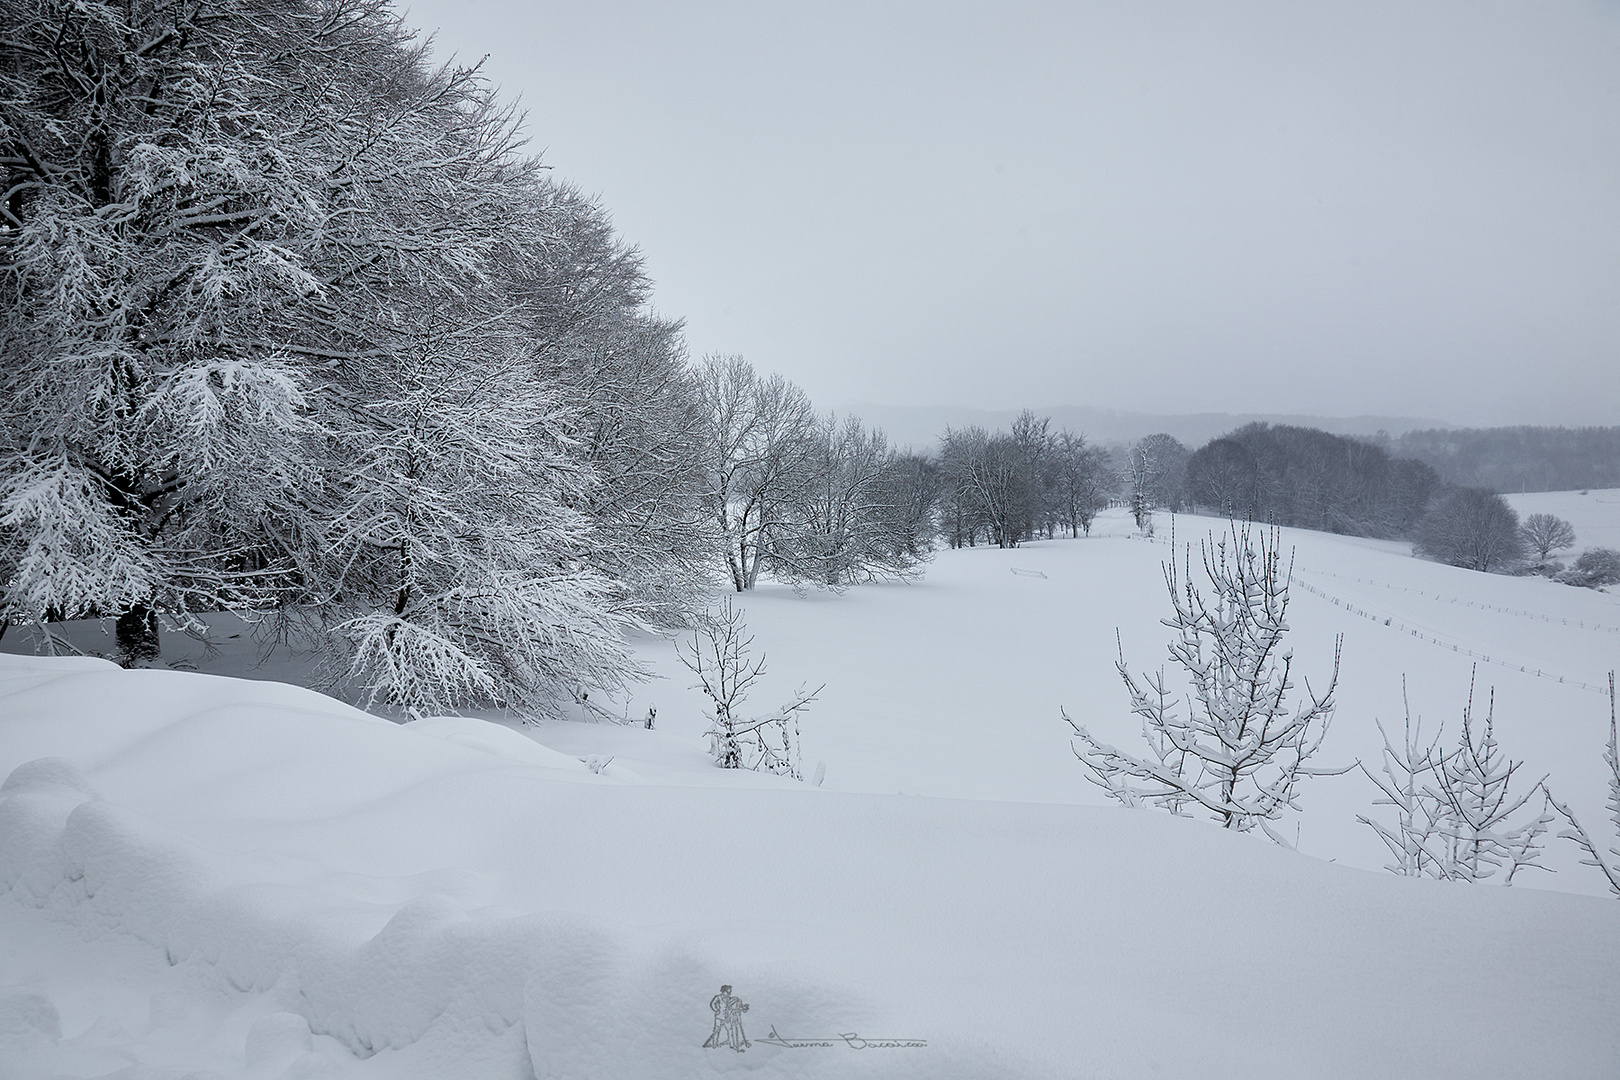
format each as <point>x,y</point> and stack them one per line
<point>637,419</point>
<point>852,516</point>
<point>720,654</point>
<point>1084,481</point>
<point>758,443</point>
<point>452,560</point>
<point>1035,451</point>
<point>271,343</point>
<point>1458,814</point>
<point>988,486</point>
<point>1544,533</point>
<point>1471,528</point>
<point>158,198</point>
<point>1235,747</point>
<point>1158,465</point>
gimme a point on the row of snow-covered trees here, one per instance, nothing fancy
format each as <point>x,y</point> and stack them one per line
<point>810,497</point>
<point>1007,487</point>
<point>292,325</point>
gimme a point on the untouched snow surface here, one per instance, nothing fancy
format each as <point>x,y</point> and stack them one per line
<point>210,877</point>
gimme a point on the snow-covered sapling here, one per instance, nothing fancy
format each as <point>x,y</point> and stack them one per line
<point>719,654</point>
<point>1240,750</point>
<point>1607,863</point>
<point>1458,817</point>
<point>1417,839</point>
<point>1484,828</point>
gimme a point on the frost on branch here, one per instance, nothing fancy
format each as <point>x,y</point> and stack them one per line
<point>719,654</point>
<point>1235,747</point>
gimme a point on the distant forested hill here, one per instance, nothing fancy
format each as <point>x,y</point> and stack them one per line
<point>1310,479</point>
<point>1518,458</point>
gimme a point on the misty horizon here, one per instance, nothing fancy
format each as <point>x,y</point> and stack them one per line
<point>1255,208</point>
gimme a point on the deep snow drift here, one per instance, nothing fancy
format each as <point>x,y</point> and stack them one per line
<point>216,877</point>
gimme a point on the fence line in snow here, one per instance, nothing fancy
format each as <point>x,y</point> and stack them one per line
<point>1476,604</point>
<point>1394,623</point>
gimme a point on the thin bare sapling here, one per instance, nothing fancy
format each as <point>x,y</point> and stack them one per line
<point>720,654</point>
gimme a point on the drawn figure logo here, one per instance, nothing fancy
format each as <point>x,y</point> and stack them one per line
<point>728,1029</point>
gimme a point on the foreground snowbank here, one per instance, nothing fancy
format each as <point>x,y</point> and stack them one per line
<point>335,895</point>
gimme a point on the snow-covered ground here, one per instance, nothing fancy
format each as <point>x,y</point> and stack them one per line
<point>210,877</point>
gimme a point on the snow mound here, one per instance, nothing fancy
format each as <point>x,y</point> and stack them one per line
<point>322,893</point>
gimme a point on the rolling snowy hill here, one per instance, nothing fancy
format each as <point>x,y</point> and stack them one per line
<point>206,876</point>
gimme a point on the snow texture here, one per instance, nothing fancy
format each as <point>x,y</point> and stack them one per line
<point>219,877</point>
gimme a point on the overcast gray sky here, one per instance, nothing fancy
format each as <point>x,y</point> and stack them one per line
<point>1407,207</point>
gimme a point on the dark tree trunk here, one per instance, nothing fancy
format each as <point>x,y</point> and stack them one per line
<point>137,636</point>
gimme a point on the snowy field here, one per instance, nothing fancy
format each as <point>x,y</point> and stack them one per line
<point>1594,515</point>
<point>206,877</point>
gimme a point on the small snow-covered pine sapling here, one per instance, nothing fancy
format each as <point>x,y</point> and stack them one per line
<point>1475,783</point>
<point>1608,864</point>
<point>1417,839</point>
<point>720,655</point>
<point>1240,749</point>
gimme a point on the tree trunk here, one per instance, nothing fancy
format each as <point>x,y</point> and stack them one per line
<point>137,637</point>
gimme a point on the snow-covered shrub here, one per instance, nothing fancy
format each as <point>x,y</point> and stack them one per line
<point>1594,569</point>
<point>1240,750</point>
<point>1458,815</point>
<point>719,654</point>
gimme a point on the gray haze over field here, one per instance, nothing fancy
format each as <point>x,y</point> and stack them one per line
<point>1395,208</point>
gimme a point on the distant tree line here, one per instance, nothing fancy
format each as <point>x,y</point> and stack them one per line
<point>1005,487</point>
<point>1310,479</point>
<point>1518,458</point>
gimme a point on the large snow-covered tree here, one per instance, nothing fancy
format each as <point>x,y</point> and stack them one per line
<point>156,207</point>
<point>853,514</point>
<point>271,342</point>
<point>637,417</point>
<point>1471,528</point>
<point>759,441</point>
